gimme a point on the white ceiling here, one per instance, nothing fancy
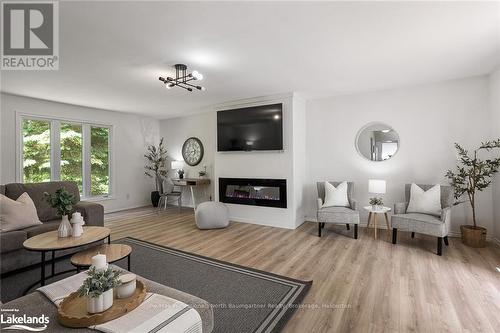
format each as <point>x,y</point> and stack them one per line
<point>111,53</point>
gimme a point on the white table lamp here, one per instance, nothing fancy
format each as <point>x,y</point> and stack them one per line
<point>177,165</point>
<point>376,186</point>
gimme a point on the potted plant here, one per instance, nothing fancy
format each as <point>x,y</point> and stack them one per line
<point>473,175</point>
<point>156,159</point>
<point>376,203</point>
<point>63,201</point>
<point>98,288</point>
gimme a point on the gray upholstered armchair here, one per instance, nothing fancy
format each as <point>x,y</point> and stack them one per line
<point>337,215</point>
<point>424,223</point>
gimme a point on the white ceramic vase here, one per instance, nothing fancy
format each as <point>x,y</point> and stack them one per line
<point>100,303</point>
<point>64,229</point>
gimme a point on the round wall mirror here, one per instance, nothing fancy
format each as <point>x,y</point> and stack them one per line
<point>377,142</point>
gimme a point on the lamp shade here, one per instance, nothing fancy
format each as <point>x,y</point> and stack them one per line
<point>376,186</point>
<point>177,165</point>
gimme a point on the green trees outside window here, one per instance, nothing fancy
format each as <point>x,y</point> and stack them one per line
<point>80,153</point>
<point>99,160</point>
<point>36,151</point>
<point>72,153</point>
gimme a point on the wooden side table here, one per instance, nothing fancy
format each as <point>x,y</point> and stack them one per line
<point>50,242</point>
<point>373,215</point>
<point>113,252</point>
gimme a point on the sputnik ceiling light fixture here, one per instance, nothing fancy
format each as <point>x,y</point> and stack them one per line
<point>182,79</point>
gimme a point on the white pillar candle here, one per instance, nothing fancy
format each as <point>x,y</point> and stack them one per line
<point>99,261</point>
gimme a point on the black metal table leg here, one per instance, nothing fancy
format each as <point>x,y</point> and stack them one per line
<point>42,270</point>
<point>53,269</point>
<point>128,262</point>
<point>109,239</point>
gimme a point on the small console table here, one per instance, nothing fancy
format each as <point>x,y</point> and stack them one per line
<point>373,215</point>
<point>193,184</point>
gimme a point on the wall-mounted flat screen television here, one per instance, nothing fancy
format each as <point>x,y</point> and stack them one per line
<point>253,128</point>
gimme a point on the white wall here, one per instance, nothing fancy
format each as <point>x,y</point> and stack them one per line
<point>130,135</point>
<point>176,130</point>
<point>429,119</point>
<point>495,122</point>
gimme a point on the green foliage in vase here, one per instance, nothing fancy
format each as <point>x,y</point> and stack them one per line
<point>62,200</point>
<point>156,160</point>
<point>376,201</point>
<point>473,174</point>
<point>99,281</point>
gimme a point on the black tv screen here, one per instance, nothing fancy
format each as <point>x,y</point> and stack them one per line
<point>252,128</point>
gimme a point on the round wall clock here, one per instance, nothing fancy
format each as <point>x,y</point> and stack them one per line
<point>192,151</point>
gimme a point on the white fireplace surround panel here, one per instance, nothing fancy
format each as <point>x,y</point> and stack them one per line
<point>267,164</point>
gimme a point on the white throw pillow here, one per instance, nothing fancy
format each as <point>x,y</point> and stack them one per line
<point>336,196</point>
<point>425,202</point>
<point>17,214</point>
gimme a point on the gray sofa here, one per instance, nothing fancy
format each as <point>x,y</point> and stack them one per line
<point>12,254</point>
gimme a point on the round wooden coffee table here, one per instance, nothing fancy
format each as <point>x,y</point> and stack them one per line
<point>50,242</point>
<point>113,252</point>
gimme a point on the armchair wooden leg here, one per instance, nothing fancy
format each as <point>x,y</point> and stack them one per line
<point>412,235</point>
<point>445,238</point>
<point>323,225</point>
<point>319,229</point>
<point>394,235</point>
<point>440,246</point>
<point>347,225</point>
<point>355,231</point>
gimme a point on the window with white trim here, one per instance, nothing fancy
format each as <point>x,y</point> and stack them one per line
<point>56,149</point>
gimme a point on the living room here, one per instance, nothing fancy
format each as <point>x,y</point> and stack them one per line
<point>250,166</point>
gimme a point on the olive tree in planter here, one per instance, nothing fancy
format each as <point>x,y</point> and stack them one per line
<point>156,160</point>
<point>473,175</point>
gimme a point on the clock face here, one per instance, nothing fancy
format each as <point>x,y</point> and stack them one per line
<point>192,151</point>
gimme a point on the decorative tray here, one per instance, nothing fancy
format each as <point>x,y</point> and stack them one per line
<point>72,311</point>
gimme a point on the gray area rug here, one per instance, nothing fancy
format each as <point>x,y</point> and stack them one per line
<point>244,299</point>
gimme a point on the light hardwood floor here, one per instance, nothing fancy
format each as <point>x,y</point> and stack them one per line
<point>362,285</point>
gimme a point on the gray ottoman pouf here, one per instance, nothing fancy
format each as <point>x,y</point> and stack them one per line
<point>211,215</point>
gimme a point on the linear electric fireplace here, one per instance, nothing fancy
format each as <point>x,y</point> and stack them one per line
<point>251,191</point>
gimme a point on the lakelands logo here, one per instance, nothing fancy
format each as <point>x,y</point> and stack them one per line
<point>30,35</point>
<point>22,322</point>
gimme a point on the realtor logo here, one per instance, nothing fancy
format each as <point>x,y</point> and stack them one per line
<point>30,36</point>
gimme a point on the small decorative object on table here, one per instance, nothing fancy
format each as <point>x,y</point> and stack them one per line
<point>127,286</point>
<point>203,172</point>
<point>77,224</point>
<point>98,288</point>
<point>63,201</point>
<point>376,203</point>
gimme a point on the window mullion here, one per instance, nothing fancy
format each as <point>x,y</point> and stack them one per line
<point>55,150</point>
<point>86,160</point>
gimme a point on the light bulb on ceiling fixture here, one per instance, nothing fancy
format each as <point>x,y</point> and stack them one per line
<point>197,75</point>
<point>169,85</point>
